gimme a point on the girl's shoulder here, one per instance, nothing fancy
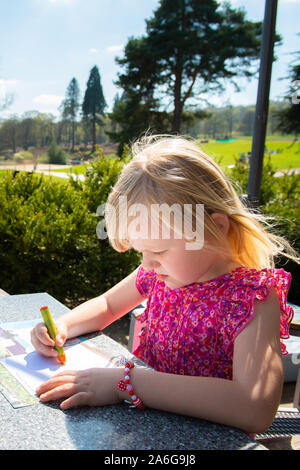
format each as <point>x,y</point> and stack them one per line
<point>260,281</point>
<point>245,285</point>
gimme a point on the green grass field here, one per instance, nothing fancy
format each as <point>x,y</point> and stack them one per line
<point>76,169</point>
<point>285,154</point>
<point>56,178</point>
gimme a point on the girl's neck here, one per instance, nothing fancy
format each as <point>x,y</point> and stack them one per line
<point>219,269</point>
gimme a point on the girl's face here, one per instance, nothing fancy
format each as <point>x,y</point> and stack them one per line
<point>177,266</point>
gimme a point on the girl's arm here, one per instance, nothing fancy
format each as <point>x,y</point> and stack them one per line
<point>249,401</point>
<point>93,315</point>
<point>97,313</point>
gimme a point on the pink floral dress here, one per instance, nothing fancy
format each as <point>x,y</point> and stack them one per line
<point>191,330</point>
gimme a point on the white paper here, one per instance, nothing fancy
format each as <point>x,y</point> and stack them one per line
<point>32,369</point>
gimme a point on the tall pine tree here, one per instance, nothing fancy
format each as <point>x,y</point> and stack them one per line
<point>94,102</point>
<point>190,48</point>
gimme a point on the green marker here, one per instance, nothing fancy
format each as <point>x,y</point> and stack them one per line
<point>53,332</point>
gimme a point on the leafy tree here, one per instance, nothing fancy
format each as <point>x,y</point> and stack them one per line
<point>56,155</point>
<point>114,124</point>
<point>247,122</point>
<point>94,102</point>
<point>191,47</point>
<point>9,134</point>
<point>27,127</point>
<point>132,116</point>
<point>70,106</point>
<point>44,124</point>
<point>191,120</point>
<point>289,117</point>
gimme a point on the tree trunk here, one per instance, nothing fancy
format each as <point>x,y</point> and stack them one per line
<point>178,105</point>
<point>73,135</point>
<point>94,133</point>
<point>13,141</point>
<point>176,123</point>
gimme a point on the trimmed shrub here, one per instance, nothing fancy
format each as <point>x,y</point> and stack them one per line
<point>56,155</point>
<point>48,240</point>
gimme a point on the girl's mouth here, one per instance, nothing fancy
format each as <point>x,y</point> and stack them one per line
<point>162,277</point>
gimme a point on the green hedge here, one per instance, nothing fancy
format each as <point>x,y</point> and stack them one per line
<point>279,198</point>
<point>48,240</point>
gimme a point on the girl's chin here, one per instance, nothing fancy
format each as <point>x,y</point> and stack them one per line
<point>162,277</point>
<point>172,284</point>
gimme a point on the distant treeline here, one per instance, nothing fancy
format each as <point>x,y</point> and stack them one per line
<point>34,129</point>
<point>229,121</point>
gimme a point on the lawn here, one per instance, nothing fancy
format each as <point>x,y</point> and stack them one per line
<point>56,178</point>
<point>76,169</point>
<point>283,154</point>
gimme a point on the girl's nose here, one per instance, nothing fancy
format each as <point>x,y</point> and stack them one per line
<point>149,263</point>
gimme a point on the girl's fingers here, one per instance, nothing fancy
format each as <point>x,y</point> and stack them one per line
<point>79,399</point>
<point>42,342</point>
<point>42,335</point>
<point>47,351</point>
<point>61,386</point>
<point>60,391</point>
<point>44,350</point>
<point>66,373</point>
<point>59,379</point>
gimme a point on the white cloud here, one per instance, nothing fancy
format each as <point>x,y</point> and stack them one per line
<point>48,100</point>
<point>10,82</point>
<point>116,48</point>
<point>93,50</point>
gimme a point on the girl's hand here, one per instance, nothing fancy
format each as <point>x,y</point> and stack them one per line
<point>92,387</point>
<point>42,342</point>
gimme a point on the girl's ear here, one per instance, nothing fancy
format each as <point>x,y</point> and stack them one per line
<point>222,221</point>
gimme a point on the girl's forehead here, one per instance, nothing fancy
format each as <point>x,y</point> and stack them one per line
<point>142,225</point>
<point>140,244</point>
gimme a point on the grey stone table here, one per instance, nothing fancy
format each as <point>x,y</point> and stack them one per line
<point>46,426</point>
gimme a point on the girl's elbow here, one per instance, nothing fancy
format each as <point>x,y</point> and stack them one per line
<point>259,419</point>
<point>259,425</point>
<point>262,408</point>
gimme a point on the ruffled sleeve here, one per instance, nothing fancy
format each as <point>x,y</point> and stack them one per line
<point>238,305</point>
<point>145,281</point>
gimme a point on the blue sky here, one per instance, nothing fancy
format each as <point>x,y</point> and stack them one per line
<point>45,43</point>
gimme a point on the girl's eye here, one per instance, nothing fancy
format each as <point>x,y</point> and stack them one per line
<point>159,252</point>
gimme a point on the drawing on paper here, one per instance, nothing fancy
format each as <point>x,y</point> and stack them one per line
<point>22,369</point>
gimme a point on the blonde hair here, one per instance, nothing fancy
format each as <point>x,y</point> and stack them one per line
<point>172,170</point>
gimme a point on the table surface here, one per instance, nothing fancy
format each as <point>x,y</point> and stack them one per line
<point>46,426</point>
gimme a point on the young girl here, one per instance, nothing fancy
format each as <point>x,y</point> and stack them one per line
<point>216,310</point>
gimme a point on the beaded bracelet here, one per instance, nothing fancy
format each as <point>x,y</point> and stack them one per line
<point>125,385</point>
